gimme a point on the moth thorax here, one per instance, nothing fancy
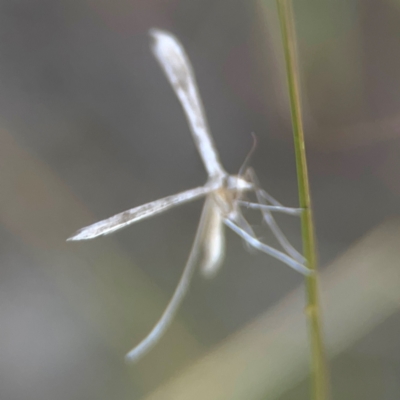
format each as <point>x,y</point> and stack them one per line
<point>238,183</point>
<point>224,199</point>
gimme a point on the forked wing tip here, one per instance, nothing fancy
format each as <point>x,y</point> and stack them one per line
<point>80,235</point>
<point>131,357</point>
<point>157,35</point>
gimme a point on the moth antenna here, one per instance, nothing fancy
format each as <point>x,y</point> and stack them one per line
<point>249,155</point>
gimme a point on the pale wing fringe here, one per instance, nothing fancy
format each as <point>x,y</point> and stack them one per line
<point>268,249</point>
<point>213,242</point>
<point>133,215</point>
<point>176,66</point>
<point>168,315</point>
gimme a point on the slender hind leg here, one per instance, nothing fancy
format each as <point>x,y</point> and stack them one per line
<point>241,222</point>
<point>263,197</point>
<point>281,209</point>
<point>253,241</point>
<point>168,315</point>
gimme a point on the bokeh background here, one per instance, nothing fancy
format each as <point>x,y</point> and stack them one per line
<point>90,127</point>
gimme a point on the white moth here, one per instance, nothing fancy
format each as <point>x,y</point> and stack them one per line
<point>224,196</point>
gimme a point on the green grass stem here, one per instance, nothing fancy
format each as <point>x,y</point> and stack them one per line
<point>319,370</point>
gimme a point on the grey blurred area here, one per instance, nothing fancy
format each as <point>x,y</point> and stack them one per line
<point>90,127</point>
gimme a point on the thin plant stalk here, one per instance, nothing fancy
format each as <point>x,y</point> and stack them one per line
<point>319,370</point>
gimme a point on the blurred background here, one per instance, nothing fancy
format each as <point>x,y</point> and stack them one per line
<point>90,127</point>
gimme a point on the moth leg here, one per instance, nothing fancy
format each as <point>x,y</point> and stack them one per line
<point>281,209</point>
<point>168,315</point>
<point>241,222</point>
<point>251,175</point>
<point>269,198</point>
<point>269,219</point>
<point>291,262</point>
<point>284,242</point>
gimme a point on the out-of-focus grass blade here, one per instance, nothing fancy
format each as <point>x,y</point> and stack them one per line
<point>270,355</point>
